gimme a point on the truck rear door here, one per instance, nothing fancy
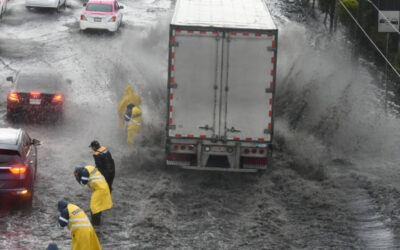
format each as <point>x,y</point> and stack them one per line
<point>248,80</point>
<point>194,83</point>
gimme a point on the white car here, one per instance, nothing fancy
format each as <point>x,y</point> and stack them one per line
<point>57,4</point>
<point>3,7</point>
<point>101,14</point>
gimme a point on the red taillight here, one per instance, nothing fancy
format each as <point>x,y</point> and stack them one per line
<point>183,147</point>
<point>246,151</point>
<point>57,98</point>
<point>83,17</point>
<point>35,94</point>
<point>176,147</point>
<point>254,150</point>
<point>191,147</point>
<point>18,169</point>
<point>262,151</point>
<point>113,19</point>
<point>13,97</point>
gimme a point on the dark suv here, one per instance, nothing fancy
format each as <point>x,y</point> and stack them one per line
<point>18,164</point>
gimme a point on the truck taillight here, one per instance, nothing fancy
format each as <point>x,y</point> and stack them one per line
<point>254,150</point>
<point>246,151</point>
<point>176,147</point>
<point>57,98</point>
<point>18,169</point>
<point>191,147</point>
<point>34,94</point>
<point>183,147</point>
<point>262,151</point>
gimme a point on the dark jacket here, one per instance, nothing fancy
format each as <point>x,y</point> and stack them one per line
<point>104,161</point>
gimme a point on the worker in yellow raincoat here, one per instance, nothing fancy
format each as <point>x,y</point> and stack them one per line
<point>101,196</point>
<point>133,119</point>
<point>82,232</point>
<point>130,96</point>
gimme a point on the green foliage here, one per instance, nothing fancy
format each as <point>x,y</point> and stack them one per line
<point>351,5</point>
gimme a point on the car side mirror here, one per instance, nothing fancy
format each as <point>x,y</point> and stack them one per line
<point>121,7</point>
<point>10,79</point>
<point>36,142</point>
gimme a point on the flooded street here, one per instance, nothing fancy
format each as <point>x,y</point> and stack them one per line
<point>334,178</point>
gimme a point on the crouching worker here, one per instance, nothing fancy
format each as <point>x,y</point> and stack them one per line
<point>82,232</point>
<point>101,196</point>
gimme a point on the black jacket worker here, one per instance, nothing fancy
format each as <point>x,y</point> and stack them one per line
<point>104,162</point>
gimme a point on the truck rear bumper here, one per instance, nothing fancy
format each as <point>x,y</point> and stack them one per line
<point>237,170</point>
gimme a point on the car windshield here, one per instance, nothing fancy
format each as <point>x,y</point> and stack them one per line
<point>99,7</point>
<point>8,156</point>
<point>44,83</point>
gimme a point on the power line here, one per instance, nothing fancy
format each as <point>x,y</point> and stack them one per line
<point>369,38</point>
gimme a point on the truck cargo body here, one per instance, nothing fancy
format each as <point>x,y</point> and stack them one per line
<point>221,84</point>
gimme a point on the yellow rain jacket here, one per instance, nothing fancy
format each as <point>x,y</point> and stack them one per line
<point>134,124</point>
<point>130,96</point>
<point>101,196</point>
<point>82,232</point>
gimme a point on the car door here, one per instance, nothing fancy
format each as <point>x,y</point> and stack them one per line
<point>118,12</point>
<point>30,154</point>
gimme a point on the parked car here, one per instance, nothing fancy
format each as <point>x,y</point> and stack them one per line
<point>56,4</point>
<point>101,14</point>
<point>3,7</point>
<point>18,165</point>
<point>36,92</point>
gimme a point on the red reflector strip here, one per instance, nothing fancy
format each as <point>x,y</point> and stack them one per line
<point>190,31</point>
<point>272,60</point>
<point>171,96</point>
<point>171,108</point>
<point>270,101</point>
<point>172,79</point>
<point>172,67</point>
<point>172,55</point>
<point>203,32</point>
<point>215,32</point>
<point>245,34</point>
<point>170,120</point>
<point>270,35</point>
<point>173,39</point>
<point>203,136</point>
<point>249,139</point>
<point>254,161</point>
<point>271,85</point>
<point>270,113</point>
<point>178,31</point>
<point>258,34</point>
<point>236,138</point>
<point>180,157</point>
<point>272,72</point>
<point>260,139</point>
<point>269,126</point>
<point>233,33</point>
<point>190,135</point>
<point>178,135</point>
<point>273,43</point>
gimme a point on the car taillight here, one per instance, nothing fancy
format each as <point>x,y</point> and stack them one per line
<point>83,17</point>
<point>18,169</point>
<point>35,94</point>
<point>113,19</point>
<point>13,97</point>
<point>57,98</point>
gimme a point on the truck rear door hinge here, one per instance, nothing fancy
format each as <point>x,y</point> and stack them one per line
<point>270,48</point>
<point>268,90</point>
<point>171,127</point>
<point>173,86</point>
<point>267,131</point>
<point>175,44</point>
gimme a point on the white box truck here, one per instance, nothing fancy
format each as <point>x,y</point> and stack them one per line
<point>221,84</point>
